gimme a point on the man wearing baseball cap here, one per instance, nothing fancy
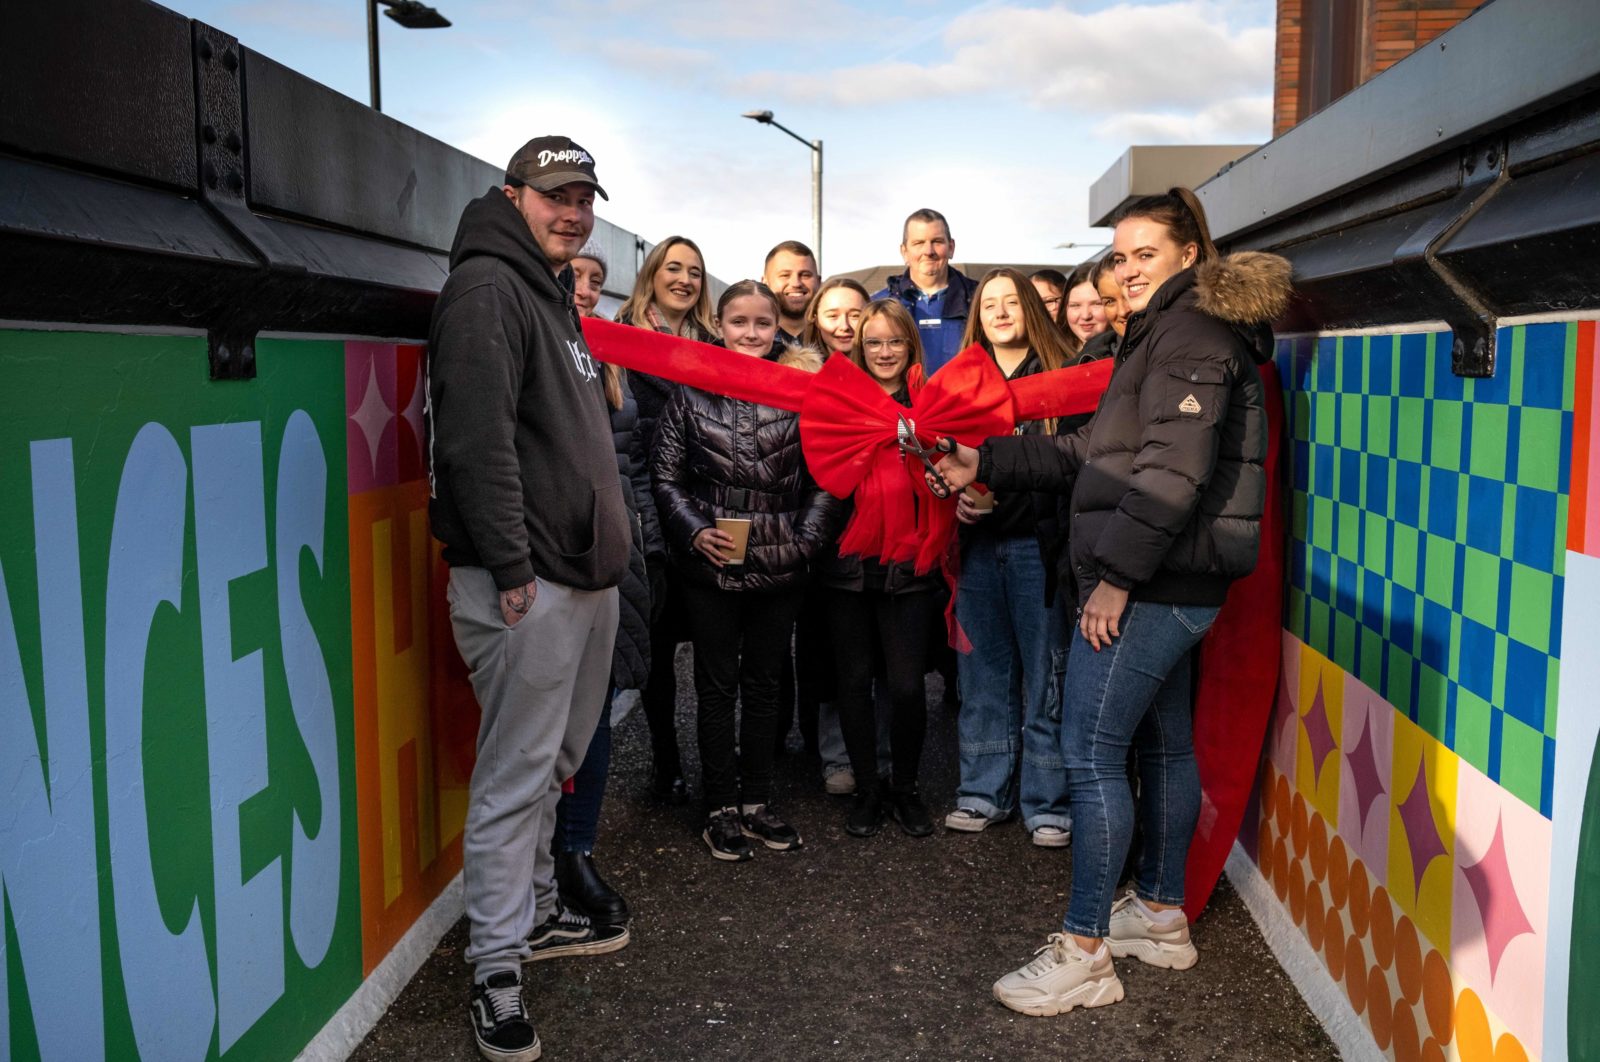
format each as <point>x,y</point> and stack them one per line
<point>525,498</point>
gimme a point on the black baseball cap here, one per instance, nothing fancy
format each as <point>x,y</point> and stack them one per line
<point>548,162</point>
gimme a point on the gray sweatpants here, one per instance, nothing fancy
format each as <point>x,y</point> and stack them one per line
<point>540,686</point>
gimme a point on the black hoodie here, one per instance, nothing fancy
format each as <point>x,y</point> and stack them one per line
<point>522,472</point>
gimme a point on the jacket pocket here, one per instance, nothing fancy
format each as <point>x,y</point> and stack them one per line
<point>1193,392</point>
<point>609,537</point>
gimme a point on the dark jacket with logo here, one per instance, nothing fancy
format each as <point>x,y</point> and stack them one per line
<point>942,341</point>
<point>716,457</point>
<point>1167,479</point>
<point>522,479</point>
<point>630,660</point>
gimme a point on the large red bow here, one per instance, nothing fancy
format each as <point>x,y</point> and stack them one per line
<point>849,427</point>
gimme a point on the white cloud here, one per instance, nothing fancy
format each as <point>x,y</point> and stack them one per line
<point>1244,120</point>
<point>1182,53</point>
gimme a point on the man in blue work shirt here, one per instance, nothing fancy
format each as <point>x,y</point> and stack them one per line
<point>937,296</point>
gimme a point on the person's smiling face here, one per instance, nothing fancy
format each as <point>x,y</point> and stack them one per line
<point>749,323</point>
<point>676,285</point>
<point>1144,256</point>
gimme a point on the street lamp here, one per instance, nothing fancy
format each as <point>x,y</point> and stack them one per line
<point>765,118</point>
<point>412,14</point>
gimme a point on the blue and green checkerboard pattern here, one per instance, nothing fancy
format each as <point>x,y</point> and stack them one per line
<point>1428,533</point>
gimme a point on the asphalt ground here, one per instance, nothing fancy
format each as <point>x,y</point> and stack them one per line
<point>882,948</point>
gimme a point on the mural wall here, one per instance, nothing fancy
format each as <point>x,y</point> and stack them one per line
<point>233,747</point>
<point>1430,810</point>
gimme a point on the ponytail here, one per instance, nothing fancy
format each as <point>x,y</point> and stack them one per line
<point>1181,212</point>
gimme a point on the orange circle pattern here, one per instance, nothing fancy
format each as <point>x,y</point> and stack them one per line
<point>1380,1016</point>
<point>1319,848</point>
<point>1360,899</point>
<point>1407,1040</point>
<point>1474,1042</point>
<point>1299,827</point>
<point>1408,959</point>
<point>1293,839</point>
<point>1382,927</point>
<point>1338,872</point>
<point>1438,997</point>
<point>1315,912</point>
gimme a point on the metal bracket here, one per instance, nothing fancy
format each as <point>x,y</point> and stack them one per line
<point>1472,322</point>
<point>224,155</point>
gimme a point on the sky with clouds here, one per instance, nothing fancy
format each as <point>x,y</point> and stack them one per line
<point>999,114</point>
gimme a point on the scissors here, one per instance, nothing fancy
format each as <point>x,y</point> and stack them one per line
<point>906,437</point>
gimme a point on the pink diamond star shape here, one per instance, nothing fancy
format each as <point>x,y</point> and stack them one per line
<point>1318,733</point>
<point>1421,835</point>
<point>1364,769</point>
<point>1498,905</point>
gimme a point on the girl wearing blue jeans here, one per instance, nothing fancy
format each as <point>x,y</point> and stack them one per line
<point>1167,488</point>
<point>1011,680</point>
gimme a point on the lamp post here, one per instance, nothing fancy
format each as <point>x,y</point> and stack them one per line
<point>412,14</point>
<point>765,118</point>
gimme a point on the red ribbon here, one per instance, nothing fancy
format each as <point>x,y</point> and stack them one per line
<point>850,428</point>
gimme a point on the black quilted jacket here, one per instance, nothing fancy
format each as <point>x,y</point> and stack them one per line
<point>630,660</point>
<point>1167,480</point>
<point>715,456</point>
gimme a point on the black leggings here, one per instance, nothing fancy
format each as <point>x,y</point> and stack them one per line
<point>740,641</point>
<point>660,695</point>
<point>896,626</point>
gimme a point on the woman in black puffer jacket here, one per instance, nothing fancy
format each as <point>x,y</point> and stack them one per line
<point>1167,486</point>
<point>717,457</point>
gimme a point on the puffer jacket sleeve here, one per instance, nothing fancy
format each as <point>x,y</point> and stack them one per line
<point>819,521</point>
<point>644,494</point>
<point>1032,462</point>
<point>1185,394</point>
<point>681,516</point>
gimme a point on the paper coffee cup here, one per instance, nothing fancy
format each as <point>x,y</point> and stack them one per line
<point>739,531</point>
<point>981,500</point>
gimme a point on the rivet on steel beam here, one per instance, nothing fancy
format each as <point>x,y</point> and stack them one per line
<point>205,51</point>
<point>230,59</point>
<point>208,133</point>
<point>233,143</point>
<point>211,175</point>
<point>235,182</point>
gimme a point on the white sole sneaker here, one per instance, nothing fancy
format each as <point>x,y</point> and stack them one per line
<point>1156,953</point>
<point>1100,993</point>
<point>963,823</point>
<point>1046,837</point>
<point>840,783</point>
<point>495,1054</point>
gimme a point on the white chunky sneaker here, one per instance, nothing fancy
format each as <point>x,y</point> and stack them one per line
<point>1134,934</point>
<point>1060,976</point>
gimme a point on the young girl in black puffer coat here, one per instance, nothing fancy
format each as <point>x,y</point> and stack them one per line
<point>719,457</point>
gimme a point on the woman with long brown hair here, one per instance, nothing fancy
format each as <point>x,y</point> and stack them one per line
<point>669,295</point>
<point>1002,604</point>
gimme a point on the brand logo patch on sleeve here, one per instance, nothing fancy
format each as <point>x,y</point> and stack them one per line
<point>1189,405</point>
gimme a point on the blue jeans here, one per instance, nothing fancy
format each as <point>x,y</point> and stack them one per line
<point>578,812</point>
<point>1010,685</point>
<point>1133,693</point>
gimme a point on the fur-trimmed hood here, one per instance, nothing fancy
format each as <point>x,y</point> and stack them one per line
<point>1244,288</point>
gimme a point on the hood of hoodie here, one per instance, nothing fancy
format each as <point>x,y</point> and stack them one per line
<point>491,228</point>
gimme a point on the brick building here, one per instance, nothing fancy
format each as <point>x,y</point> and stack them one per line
<point>1328,47</point>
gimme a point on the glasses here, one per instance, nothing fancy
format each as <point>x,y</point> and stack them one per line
<point>875,346</point>
<point>1052,305</point>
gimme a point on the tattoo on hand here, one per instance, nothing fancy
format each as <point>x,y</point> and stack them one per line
<point>519,602</point>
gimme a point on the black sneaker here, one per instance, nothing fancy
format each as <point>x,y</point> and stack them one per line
<point>669,789</point>
<point>906,805</point>
<point>724,837</point>
<point>500,1021</point>
<point>763,825</point>
<point>866,813</point>
<point>567,932</point>
<point>583,889</point>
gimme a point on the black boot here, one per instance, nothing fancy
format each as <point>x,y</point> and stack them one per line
<point>582,888</point>
<point>866,813</point>
<point>669,788</point>
<point>909,811</point>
